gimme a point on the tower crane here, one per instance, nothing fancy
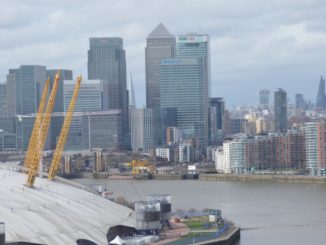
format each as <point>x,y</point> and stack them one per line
<point>43,132</point>
<point>64,132</point>
<point>36,128</point>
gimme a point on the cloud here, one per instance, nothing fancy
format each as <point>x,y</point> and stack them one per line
<point>254,44</point>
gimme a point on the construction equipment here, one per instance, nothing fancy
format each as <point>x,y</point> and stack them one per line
<point>42,133</point>
<point>64,132</point>
<point>139,166</point>
<point>36,128</point>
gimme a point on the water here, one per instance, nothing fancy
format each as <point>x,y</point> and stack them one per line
<point>268,213</point>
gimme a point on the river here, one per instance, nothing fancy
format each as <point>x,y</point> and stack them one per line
<point>268,213</point>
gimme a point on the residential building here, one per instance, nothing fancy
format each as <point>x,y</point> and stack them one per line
<point>280,110</point>
<point>185,152</point>
<point>165,153</point>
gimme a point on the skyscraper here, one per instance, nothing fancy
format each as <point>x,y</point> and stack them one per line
<point>299,101</point>
<point>215,120</point>
<point>183,85</point>
<point>264,97</point>
<point>280,109</point>
<point>107,62</point>
<point>29,81</point>
<point>3,99</point>
<point>160,44</point>
<point>321,100</point>
<point>195,46</point>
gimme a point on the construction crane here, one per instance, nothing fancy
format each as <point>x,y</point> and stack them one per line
<point>36,128</point>
<point>43,132</point>
<point>64,132</point>
<point>139,166</point>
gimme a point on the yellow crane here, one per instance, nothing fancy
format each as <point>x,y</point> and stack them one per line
<point>36,128</point>
<point>139,166</point>
<point>44,129</point>
<point>64,133</point>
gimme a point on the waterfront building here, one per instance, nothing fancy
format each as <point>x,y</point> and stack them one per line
<point>264,95</point>
<point>3,99</point>
<point>165,153</point>
<point>107,62</point>
<point>160,44</point>
<point>183,86</point>
<point>321,98</point>
<point>311,137</point>
<point>280,110</point>
<point>216,120</point>
<point>142,137</point>
<point>185,152</point>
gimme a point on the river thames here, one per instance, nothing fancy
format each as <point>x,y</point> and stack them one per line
<point>268,213</point>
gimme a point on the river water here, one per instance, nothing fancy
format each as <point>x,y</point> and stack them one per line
<point>268,213</point>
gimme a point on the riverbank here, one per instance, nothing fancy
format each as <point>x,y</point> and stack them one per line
<point>249,178</point>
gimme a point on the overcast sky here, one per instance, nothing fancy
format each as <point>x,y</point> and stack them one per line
<point>255,44</point>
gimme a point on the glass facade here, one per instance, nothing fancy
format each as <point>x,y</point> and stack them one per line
<point>183,85</point>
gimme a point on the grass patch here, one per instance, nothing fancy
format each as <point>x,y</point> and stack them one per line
<point>196,223</point>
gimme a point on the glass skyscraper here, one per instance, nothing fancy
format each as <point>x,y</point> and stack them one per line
<point>183,85</point>
<point>107,62</point>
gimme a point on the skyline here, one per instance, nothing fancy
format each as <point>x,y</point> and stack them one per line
<point>253,45</point>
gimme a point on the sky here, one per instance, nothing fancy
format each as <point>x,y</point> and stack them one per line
<point>255,44</point>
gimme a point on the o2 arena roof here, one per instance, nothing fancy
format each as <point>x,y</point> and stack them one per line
<point>56,212</point>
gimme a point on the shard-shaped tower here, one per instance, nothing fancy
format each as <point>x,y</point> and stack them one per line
<point>320,101</point>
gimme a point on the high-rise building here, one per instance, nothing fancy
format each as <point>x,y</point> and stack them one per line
<point>56,122</point>
<point>29,82</point>
<point>3,99</point>
<point>107,62</point>
<point>183,85</point>
<point>89,100</point>
<point>300,102</point>
<point>264,97</point>
<point>216,120</point>
<point>195,46</point>
<point>321,98</point>
<point>160,44</point>
<point>280,109</point>
<point>142,121</point>
<point>11,94</point>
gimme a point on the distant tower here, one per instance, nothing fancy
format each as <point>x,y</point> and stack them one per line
<point>320,101</point>
<point>280,107</point>
<point>160,44</point>
<point>132,99</point>
<point>299,101</point>
<point>264,97</point>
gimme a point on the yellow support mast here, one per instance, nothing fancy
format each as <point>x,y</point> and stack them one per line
<point>64,133</point>
<point>36,155</point>
<point>36,128</point>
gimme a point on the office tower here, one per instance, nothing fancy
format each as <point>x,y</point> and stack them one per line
<point>264,97</point>
<point>56,122</point>
<point>107,62</point>
<point>173,135</point>
<point>29,81</point>
<point>300,102</point>
<point>89,100</point>
<point>142,121</point>
<point>168,119</point>
<point>160,44</point>
<point>131,93</point>
<point>215,120</point>
<point>3,99</point>
<point>11,94</point>
<point>195,46</point>
<point>321,101</point>
<point>183,85</point>
<point>280,110</point>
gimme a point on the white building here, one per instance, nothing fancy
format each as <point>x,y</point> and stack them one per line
<point>164,152</point>
<point>311,136</point>
<point>185,152</point>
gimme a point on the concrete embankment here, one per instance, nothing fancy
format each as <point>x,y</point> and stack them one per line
<point>264,178</point>
<point>230,238</point>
